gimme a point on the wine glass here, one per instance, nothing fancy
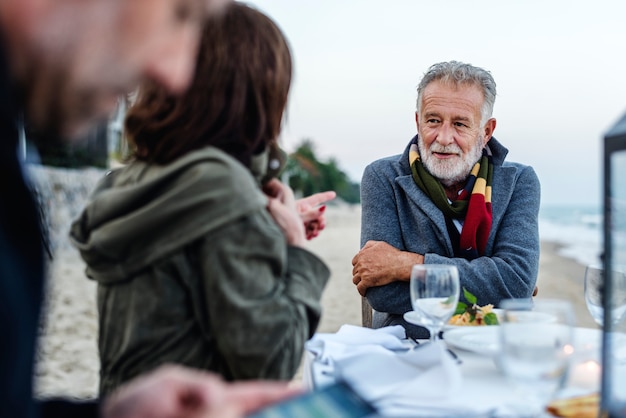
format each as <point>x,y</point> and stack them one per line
<point>434,292</point>
<point>593,292</point>
<point>536,346</point>
<point>593,284</point>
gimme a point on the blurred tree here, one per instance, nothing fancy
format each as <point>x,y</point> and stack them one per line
<point>307,175</point>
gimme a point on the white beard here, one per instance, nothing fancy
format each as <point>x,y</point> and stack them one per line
<point>453,170</point>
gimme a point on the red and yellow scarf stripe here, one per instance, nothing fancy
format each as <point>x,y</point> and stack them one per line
<point>473,204</point>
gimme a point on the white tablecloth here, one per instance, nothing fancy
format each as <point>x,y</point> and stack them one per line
<point>482,383</point>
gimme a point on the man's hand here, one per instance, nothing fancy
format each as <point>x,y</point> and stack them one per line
<point>378,263</point>
<point>313,215</point>
<point>178,392</point>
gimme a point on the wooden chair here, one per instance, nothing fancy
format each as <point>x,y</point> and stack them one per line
<point>366,313</point>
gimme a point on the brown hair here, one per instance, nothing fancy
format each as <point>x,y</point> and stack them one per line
<point>236,99</point>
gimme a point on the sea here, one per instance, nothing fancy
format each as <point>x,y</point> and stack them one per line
<point>577,228</point>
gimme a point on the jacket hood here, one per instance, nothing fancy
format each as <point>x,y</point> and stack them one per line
<point>140,213</point>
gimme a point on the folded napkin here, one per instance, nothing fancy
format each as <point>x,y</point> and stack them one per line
<point>352,340</point>
<point>397,378</point>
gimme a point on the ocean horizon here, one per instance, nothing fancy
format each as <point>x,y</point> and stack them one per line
<point>576,228</point>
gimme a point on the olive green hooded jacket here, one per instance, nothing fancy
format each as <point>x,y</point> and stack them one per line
<point>192,269</point>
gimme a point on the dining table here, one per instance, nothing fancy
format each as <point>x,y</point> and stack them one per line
<point>475,386</point>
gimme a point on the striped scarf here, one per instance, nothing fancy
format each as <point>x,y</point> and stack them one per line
<point>473,203</point>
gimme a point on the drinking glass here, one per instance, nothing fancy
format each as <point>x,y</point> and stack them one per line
<point>594,281</point>
<point>434,294</point>
<point>536,345</point>
<point>593,292</point>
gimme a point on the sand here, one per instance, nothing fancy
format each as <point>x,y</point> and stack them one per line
<point>68,359</point>
<point>561,277</point>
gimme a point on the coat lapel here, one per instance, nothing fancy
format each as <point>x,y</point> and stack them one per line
<point>417,197</point>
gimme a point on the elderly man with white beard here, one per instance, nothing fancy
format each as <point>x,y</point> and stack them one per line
<point>450,198</point>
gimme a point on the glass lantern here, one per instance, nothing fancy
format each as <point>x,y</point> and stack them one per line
<point>613,399</point>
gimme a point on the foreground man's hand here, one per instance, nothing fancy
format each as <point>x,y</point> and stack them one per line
<point>178,392</point>
<point>378,263</point>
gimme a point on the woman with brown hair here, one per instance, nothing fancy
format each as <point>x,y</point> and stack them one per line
<point>197,250</point>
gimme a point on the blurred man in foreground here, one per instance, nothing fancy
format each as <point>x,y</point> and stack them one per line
<point>63,63</point>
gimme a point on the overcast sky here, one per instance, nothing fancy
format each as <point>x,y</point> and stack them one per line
<point>559,66</point>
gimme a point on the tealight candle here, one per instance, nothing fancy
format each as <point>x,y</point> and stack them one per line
<point>586,375</point>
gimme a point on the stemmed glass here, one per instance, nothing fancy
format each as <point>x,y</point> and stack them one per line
<point>593,292</point>
<point>536,347</point>
<point>434,294</point>
<point>594,281</point>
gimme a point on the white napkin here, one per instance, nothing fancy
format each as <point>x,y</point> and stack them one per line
<point>398,384</point>
<point>398,379</point>
<point>352,340</point>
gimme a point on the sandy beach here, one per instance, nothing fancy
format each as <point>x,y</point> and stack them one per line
<point>68,360</point>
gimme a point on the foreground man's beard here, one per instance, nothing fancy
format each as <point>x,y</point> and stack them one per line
<point>453,170</point>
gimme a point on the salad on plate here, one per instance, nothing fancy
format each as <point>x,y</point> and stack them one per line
<point>471,314</point>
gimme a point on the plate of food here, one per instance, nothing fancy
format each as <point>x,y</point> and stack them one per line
<point>466,315</point>
<point>464,320</point>
<point>473,315</point>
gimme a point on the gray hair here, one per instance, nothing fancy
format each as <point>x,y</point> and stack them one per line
<point>457,73</point>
